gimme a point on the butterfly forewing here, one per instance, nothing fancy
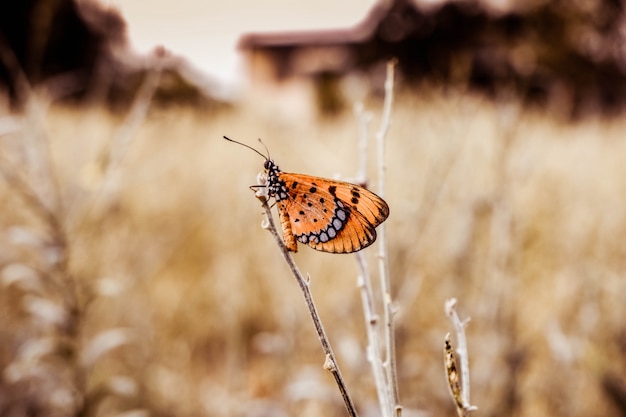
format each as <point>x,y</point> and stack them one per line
<point>330,216</point>
<point>371,206</point>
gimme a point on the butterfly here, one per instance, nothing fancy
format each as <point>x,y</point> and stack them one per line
<point>327,215</point>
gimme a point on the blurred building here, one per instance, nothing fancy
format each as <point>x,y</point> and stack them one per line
<point>554,53</point>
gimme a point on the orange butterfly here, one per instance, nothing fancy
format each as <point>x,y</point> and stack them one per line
<point>328,215</point>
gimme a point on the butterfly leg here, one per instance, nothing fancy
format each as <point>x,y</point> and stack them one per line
<point>288,236</point>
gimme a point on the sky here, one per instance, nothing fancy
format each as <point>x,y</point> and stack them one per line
<point>206,31</point>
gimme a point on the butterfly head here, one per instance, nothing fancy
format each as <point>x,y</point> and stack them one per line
<point>271,168</point>
<point>276,187</point>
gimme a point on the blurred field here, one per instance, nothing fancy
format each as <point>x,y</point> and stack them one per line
<point>153,290</point>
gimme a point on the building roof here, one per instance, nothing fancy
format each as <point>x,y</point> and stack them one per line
<point>388,13</point>
<point>358,33</point>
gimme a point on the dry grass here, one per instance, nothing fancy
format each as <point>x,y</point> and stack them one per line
<point>162,294</point>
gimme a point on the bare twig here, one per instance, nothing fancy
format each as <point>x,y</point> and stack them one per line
<point>111,161</point>
<point>460,394</point>
<point>452,374</point>
<point>330,362</point>
<point>379,365</point>
<point>383,266</point>
<point>383,363</point>
<point>118,148</point>
<point>372,326</point>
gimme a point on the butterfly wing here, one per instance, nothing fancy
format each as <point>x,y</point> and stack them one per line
<point>330,216</point>
<point>372,207</point>
<point>357,234</point>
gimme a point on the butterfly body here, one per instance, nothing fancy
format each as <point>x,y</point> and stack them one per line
<point>327,215</point>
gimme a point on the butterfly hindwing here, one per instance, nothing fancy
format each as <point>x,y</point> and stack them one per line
<point>356,235</point>
<point>330,216</point>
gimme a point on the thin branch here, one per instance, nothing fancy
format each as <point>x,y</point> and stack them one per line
<point>383,365</point>
<point>383,265</point>
<point>113,158</point>
<point>122,139</point>
<point>330,362</point>
<point>372,325</point>
<point>364,282</point>
<point>461,395</point>
<point>452,375</point>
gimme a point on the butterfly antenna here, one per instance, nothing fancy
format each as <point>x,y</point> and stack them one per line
<point>249,147</point>
<point>266,150</point>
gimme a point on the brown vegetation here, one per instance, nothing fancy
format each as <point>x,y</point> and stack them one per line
<point>135,274</point>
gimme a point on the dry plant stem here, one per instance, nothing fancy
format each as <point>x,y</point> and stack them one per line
<point>364,282</point>
<point>383,267</point>
<point>330,361</point>
<point>135,118</point>
<point>35,120</point>
<point>39,145</point>
<point>372,322</point>
<point>47,204</point>
<point>452,374</point>
<point>462,353</point>
<point>122,139</point>
<point>118,148</point>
